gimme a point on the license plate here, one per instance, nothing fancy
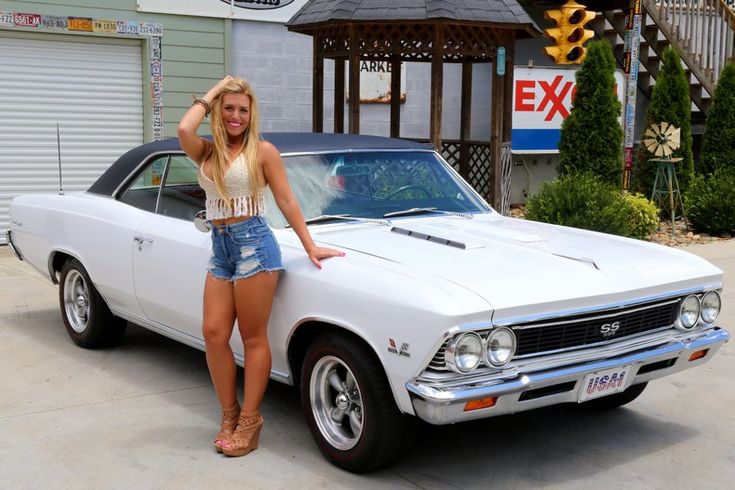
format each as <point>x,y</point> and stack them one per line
<point>605,382</point>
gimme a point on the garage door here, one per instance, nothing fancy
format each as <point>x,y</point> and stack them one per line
<point>93,90</point>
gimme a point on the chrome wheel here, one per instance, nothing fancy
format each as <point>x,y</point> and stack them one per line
<point>336,402</point>
<point>76,301</point>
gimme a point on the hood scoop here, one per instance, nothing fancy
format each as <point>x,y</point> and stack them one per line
<point>430,238</point>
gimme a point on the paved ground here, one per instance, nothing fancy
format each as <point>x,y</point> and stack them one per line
<point>143,414</point>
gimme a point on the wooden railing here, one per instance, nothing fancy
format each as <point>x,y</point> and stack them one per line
<point>704,31</point>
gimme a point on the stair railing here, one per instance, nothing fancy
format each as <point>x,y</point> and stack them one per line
<point>703,30</point>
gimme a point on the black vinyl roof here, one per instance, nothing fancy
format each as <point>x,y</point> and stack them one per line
<point>111,179</point>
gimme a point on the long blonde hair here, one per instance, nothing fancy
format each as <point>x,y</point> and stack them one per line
<point>220,154</point>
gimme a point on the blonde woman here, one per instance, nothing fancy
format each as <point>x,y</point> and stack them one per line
<point>242,276</point>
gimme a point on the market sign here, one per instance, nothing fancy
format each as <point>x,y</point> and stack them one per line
<point>375,82</point>
<point>263,10</point>
<point>542,99</point>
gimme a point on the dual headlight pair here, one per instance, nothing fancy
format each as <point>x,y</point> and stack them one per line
<point>692,308</point>
<point>467,351</point>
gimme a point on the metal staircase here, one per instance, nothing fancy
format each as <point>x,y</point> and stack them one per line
<point>702,31</point>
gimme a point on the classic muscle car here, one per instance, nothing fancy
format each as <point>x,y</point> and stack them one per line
<point>442,309</point>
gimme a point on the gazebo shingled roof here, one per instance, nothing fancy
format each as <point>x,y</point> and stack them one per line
<point>435,31</point>
<point>495,11</point>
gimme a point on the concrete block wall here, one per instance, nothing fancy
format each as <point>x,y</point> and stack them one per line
<point>279,65</point>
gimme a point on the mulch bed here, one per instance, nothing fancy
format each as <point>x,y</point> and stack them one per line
<point>682,237</point>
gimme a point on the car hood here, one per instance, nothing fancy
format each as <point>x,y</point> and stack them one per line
<point>522,267</point>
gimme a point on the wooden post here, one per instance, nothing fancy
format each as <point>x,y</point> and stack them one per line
<point>437,88</point>
<point>354,106</point>
<point>496,133</point>
<point>509,63</point>
<point>465,121</point>
<point>317,89</point>
<point>395,96</point>
<point>339,95</point>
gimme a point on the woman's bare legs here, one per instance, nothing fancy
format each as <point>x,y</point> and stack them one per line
<point>253,302</point>
<point>219,319</point>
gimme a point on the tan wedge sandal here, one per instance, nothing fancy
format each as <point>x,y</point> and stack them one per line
<point>227,427</point>
<point>245,438</point>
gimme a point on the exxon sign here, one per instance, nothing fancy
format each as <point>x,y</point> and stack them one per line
<point>542,99</point>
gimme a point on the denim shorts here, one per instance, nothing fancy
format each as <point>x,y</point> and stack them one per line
<point>243,249</point>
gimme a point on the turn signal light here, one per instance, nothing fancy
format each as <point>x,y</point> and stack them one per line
<point>481,403</point>
<point>697,355</point>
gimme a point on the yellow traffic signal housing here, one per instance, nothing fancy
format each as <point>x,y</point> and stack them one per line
<point>569,35</point>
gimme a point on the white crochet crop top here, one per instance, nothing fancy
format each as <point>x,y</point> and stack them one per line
<point>237,184</point>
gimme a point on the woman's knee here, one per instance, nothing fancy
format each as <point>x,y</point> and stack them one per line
<point>215,333</point>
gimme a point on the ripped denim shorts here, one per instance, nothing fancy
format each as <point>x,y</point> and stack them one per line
<point>243,249</point>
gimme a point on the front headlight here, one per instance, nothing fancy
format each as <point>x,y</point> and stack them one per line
<point>689,312</point>
<point>711,304</point>
<point>464,352</point>
<point>501,346</point>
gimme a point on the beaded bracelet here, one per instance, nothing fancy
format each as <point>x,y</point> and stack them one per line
<point>202,102</point>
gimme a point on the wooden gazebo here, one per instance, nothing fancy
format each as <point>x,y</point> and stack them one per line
<point>435,31</point>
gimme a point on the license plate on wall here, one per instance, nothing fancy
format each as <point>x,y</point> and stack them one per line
<point>605,382</point>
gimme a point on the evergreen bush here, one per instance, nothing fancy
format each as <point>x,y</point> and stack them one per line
<point>581,201</point>
<point>591,136</point>
<point>670,102</point>
<point>718,147</point>
<point>709,202</point>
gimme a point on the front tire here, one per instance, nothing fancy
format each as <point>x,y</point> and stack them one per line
<point>349,406</point>
<point>87,319</point>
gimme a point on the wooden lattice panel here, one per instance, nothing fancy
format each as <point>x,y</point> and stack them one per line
<point>411,41</point>
<point>479,168</point>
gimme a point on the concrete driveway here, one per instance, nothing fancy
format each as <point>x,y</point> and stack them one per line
<point>142,415</point>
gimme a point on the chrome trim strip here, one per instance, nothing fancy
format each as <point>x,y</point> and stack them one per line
<point>443,404</point>
<point>591,309</point>
<point>623,311</point>
<point>9,240</point>
<point>359,150</point>
<point>143,163</point>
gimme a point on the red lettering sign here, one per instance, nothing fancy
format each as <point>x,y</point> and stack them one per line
<point>522,95</point>
<point>26,20</point>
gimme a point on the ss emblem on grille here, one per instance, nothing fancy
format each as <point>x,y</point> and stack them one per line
<point>609,329</point>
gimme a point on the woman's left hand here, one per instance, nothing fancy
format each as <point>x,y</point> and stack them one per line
<point>317,254</point>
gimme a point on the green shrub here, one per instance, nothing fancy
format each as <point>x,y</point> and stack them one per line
<point>718,146</point>
<point>591,136</point>
<point>709,202</point>
<point>581,201</point>
<point>642,215</point>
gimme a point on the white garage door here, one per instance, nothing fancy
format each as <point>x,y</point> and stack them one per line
<point>92,88</point>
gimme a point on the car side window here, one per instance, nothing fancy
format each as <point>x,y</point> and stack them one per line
<point>181,196</point>
<point>143,192</point>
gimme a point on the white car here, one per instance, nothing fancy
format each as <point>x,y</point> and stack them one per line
<point>442,308</point>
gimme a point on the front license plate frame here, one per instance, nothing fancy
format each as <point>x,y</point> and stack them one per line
<point>605,382</point>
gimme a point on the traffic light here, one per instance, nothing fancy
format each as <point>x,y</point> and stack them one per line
<point>569,35</point>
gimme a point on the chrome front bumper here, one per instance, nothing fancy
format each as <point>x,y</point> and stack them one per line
<point>9,240</point>
<point>439,403</point>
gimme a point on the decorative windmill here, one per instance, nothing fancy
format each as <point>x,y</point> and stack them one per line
<point>662,139</point>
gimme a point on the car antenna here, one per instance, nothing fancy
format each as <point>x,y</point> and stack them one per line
<point>58,151</point>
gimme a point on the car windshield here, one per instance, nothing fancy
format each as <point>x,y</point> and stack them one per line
<point>372,184</point>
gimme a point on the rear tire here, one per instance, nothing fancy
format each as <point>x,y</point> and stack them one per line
<point>617,400</point>
<point>349,406</point>
<point>87,319</point>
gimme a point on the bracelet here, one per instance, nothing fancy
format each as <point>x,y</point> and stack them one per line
<point>202,102</point>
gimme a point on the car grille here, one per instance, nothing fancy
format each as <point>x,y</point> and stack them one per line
<point>544,336</point>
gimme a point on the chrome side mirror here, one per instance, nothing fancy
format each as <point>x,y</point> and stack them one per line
<point>201,223</point>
